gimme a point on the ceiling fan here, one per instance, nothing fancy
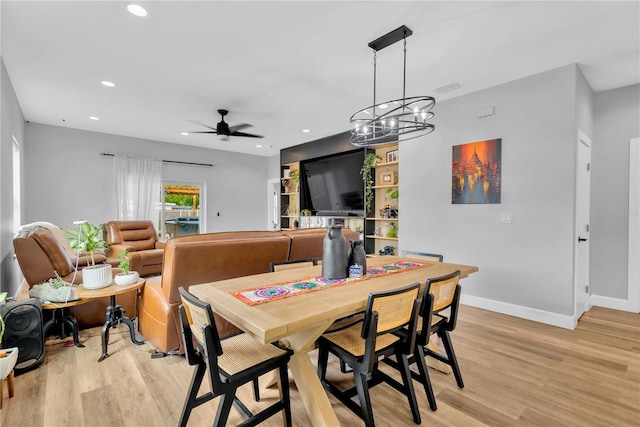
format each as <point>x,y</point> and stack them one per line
<point>225,131</point>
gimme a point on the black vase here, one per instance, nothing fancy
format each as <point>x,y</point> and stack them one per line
<point>357,255</point>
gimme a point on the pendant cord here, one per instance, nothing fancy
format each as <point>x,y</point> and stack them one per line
<point>404,76</point>
<point>375,57</point>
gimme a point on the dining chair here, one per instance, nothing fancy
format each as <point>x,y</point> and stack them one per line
<point>291,264</point>
<point>361,345</point>
<point>423,255</point>
<point>231,362</point>
<point>440,294</point>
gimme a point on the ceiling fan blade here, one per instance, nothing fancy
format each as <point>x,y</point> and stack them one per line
<point>238,127</point>
<point>202,124</point>
<point>250,135</point>
<point>205,131</point>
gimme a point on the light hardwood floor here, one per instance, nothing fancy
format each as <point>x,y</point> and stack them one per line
<point>516,373</point>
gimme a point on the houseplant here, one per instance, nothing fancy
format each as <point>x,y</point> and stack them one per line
<point>127,277</point>
<point>88,238</point>
<point>370,162</point>
<point>8,356</point>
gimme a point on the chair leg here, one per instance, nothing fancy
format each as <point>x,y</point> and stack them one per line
<point>284,394</point>
<point>323,356</point>
<point>424,376</point>
<point>256,390</point>
<point>408,384</point>
<point>453,361</point>
<point>224,408</point>
<point>190,402</point>
<point>363,395</point>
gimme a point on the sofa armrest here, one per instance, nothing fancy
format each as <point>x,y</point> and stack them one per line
<point>159,245</point>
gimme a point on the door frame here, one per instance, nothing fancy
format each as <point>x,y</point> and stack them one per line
<point>633,293</point>
<point>581,228</point>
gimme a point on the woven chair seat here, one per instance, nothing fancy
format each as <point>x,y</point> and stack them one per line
<point>350,340</point>
<point>242,352</point>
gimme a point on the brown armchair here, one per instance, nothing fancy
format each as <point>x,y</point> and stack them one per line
<point>41,254</point>
<point>140,239</point>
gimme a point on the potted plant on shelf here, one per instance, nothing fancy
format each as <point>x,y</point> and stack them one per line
<point>88,238</point>
<point>8,356</point>
<point>371,160</point>
<point>127,277</point>
<point>295,179</point>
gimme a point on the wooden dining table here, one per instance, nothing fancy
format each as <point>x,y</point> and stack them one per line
<point>297,321</point>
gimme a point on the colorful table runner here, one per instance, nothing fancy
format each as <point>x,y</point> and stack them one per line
<point>275,291</point>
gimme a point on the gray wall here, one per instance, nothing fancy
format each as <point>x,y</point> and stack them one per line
<point>617,120</point>
<point>526,268</point>
<point>68,180</point>
<point>12,124</point>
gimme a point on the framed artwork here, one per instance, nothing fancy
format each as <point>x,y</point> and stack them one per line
<point>476,172</point>
<point>388,178</point>
<point>392,156</point>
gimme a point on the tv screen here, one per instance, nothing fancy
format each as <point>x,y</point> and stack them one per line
<point>333,186</point>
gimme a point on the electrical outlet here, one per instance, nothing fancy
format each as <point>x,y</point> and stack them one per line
<point>506,218</point>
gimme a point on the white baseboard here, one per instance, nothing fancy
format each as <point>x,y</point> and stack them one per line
<point>554,319</point>
<point>613,303</point>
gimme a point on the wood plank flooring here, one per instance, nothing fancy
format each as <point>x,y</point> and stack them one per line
<point>516,373</point>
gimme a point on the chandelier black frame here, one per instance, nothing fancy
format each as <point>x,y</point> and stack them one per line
<point>382,123</point>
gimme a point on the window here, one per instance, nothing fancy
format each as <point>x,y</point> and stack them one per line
<point>16,185</point>
<point>181,212</point>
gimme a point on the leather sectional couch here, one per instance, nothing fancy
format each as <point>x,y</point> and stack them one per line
<point>42,249</point>
<point>202,258</point>
<point>140,239</point>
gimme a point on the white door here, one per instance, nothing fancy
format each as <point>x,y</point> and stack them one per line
<point>581,248</point>
<point>273,203</point>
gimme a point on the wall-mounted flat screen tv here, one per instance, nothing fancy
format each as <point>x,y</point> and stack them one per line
<point>332,185</point>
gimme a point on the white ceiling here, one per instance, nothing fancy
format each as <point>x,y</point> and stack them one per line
<point>285,66</point>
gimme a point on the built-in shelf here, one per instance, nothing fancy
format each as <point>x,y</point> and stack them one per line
<point>290,194</point>
<point>382,219</point>
<point>385,186</point>
<point>381,237</point>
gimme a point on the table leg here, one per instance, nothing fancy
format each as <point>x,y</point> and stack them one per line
<point>313,395</point>
<point>114,316</point>
<point>105,336</point>
<point>73,323</point>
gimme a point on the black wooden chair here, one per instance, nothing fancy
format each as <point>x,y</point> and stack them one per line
<point>231,362</point>
<point>362,344</point>
<point>440,294</point>
<point>291,264</point>
<point>423,255</point>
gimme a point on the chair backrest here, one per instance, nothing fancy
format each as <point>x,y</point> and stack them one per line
<point>440,293</point>
<point>141,235</point>
<point>389,311</point>
<point>198,323</point>
<point>423,255</point>
<point>292,264</point>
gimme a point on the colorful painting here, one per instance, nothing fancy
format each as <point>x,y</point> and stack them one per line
<point>476,172</point>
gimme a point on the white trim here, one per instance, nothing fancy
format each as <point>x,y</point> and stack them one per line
<point>633,282</point>
<point>554,319</point>
<point>613,303</point>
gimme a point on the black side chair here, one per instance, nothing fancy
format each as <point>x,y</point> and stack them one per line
<point>423,255</point>
<point>231,362</point>
<point>440,293</point>
<point>291,264</point>
<point>362,344</point>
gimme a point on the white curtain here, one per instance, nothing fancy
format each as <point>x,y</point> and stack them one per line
<point>138,184</point>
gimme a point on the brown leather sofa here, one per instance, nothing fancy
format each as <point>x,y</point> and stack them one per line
<point>140,239</point>
<point>40,251</point>
<point>190,260</point>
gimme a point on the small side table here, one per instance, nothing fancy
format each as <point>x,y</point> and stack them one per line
<point>115,313</point>
<point>62,317</point>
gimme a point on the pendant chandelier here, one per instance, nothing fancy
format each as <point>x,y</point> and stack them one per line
<point>386,122</point>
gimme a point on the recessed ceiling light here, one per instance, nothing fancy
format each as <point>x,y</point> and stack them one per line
<point>383,106</point>
<point>94,118</point>
<point>137,10</point>
<point>447,88</point>
<point>184,133</point>
<point>306,130</point>
<point>258,146</point>
<point>107,83</point>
